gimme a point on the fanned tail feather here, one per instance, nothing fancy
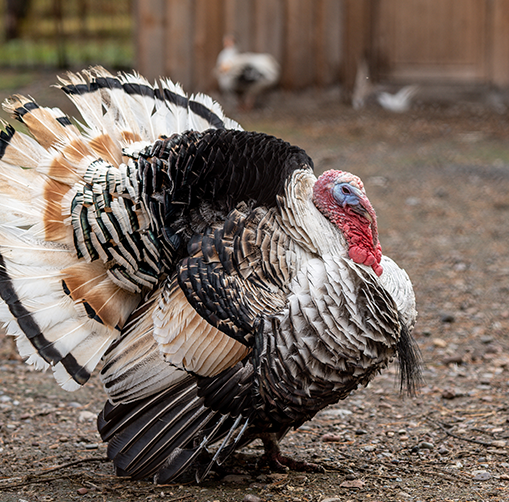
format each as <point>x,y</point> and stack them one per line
<point>74,259</point>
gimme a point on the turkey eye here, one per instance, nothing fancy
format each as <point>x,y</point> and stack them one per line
<point>345,190</point>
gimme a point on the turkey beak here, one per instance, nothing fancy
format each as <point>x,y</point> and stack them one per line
<point>365,209</point>
<point>361,210</point>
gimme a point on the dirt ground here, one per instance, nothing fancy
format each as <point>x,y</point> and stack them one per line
<point>438,177</point>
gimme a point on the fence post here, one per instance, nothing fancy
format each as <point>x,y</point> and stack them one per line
<point>357,42</point>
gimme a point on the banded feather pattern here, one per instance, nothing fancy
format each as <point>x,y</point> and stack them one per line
<point>70,196</point>
<point>206,267</point>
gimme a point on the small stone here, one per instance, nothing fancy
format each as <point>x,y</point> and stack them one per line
<point>402,432</point>
<point>454,359</point>
<point>370,447</point>
<point>412,201</point>
<point>236,478</point>
<point>274,477</point>
<point>53,447</point>
<point>360,432</point>
<point>335,413</point>
<point>440,343</point>
<point>83,491</point>
<point>486,378</point>
<point>404,495</point>
<point>251,498</point>
<point>498,443</point>
<point>354,483</point>
<point>448,394</point>
<point>91,446</point>
<point>443,451</point>
<point>447,318</point>
<point>426,446</point>
<point>332,438</point>
<point>86,416</point>
<point>481,475</point>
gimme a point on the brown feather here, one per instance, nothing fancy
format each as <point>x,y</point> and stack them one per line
<point>130,137</point>
<point>62,170</point>
<point>107,149</point>
<point>89,282</point>
<point>22,150</point>
<point>194,344</point>
<point>54,226</point>
<point>44,127</point>
<point>76,150</point>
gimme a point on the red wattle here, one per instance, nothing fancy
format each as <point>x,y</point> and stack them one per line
<point>361,233</point>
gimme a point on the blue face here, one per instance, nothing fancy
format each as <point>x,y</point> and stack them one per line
<point>346,195</point>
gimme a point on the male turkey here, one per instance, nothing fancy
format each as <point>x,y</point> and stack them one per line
<point>229,293</point>
<point>245,74</point>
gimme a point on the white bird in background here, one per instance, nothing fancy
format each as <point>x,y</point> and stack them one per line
<point>246,74</point>
<point>399,102</point>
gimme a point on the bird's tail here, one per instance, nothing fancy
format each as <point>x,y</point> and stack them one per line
<point>75,252</point>
<point>165,433</point>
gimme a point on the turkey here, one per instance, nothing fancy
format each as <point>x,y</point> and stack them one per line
<point>246,74</point>
<point>227,292</point>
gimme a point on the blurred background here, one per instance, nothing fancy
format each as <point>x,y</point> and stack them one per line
<point>318,43</point>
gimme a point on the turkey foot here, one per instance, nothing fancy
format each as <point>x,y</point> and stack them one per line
<point>278,462</point>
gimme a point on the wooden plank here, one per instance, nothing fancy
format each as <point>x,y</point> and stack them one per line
<point>499,46</point>
<point>150,42</point>
<point>230,7</point>
<point>244,26</point>
<point>179,62</point>
<point>299,69</point>
<point>446,40</point>
<point>268,27</point>
<point>329,41</point>
<point>357,40</point>
<point>208,30</point>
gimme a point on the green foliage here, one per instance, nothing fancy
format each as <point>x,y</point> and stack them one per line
<point>83,32</point>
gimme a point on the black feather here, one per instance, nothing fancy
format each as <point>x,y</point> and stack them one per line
<point>410,361</point>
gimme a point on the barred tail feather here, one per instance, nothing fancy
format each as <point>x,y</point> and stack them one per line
<point>74,259</point>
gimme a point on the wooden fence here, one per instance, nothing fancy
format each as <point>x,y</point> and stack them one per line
<point>320,42</point>
<point>182,38</point>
